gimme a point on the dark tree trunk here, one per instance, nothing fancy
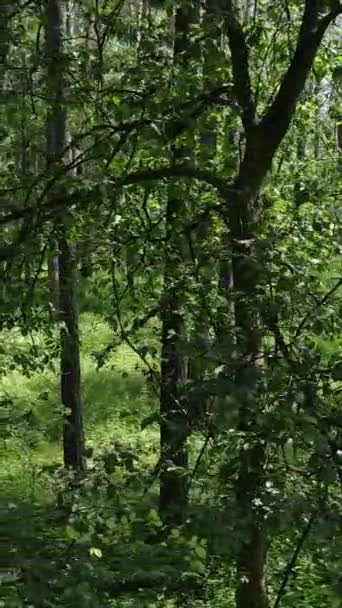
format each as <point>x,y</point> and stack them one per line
<point>73,441</point>
<point>251,556</point>
<point>174,423</point>
<point>339,136</point>
<point>174,428</point>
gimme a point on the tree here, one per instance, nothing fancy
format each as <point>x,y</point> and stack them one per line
<point>268,372</point>
<point>174,411</point>
<point>263,136</point>
<point>73,439</point>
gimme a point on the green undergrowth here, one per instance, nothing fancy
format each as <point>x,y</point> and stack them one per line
<point>116,398</point>
<point>110,550</point>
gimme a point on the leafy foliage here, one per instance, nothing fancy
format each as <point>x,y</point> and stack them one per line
<point>159,109</point>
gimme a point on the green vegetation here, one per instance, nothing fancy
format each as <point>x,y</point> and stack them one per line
<point>115,400</point>
<point>170,304</point>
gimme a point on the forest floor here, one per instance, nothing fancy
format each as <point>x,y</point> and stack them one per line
<point>35,535</point>
<point>116,398</point>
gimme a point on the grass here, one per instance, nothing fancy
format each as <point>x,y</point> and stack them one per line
<point>115,399</point>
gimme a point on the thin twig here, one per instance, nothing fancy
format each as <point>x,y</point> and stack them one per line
<point>290,566</point>
<point>319,304</point>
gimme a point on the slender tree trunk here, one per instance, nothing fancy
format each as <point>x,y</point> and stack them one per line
<point>339,135</point>
<point>174,428</point>
<point>73,439</point>
<point>251,557</point>
<point>198,404</point>
<point>174,422</point>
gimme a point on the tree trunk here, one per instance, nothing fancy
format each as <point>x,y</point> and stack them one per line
<point>251,556</point>
<point>174,428</point>
<point>198,404</point>
<point>174,424</point>
<point>73,439</point>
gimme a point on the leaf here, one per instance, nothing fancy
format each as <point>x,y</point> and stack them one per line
<point>198,566</point>
<point>96,552</point>
<point>71,533</point>
<point>200,551</point>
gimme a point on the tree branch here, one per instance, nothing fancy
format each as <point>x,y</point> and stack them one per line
<point>266,136</point>
<point>292,563</point>
<point>321,303</point>
<point>137,177</point>
<point>240,62</point>
<point>314,24</point>
<point>36,216</point>
<point>183,170</point>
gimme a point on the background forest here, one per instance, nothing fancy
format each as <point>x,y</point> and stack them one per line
<point>170,304</point>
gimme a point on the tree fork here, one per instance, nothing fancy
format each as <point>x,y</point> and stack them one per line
<point>263,137</point>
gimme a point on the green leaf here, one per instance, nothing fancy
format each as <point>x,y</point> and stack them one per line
<point>96,552</point>
<point>200,551</point>
<point>71,533</point>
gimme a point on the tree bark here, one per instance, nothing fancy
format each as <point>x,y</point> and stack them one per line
<point>173,415</point>
<point>251,556</point>
<point>174,427</point>
<point>73,437</point>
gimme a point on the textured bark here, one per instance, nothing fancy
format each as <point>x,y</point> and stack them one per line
<point>173,425</point>
<point>198,404</point>
<point>173,410</point>
<point>73,441</point>
<point>251,556</point>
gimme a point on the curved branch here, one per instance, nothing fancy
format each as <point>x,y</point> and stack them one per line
<point>290,566</point>
<point>265,137</point>
<point>36,216</point>
<point>184,171</point>
<point>240,63</point>
<point>137,177</point>
<point>314,24</point>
